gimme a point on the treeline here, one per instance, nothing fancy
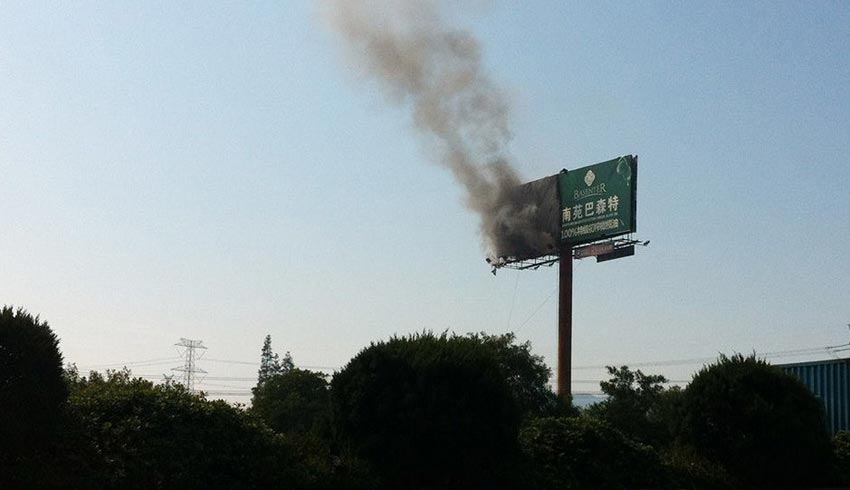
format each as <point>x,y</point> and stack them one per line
<point>423,411</point>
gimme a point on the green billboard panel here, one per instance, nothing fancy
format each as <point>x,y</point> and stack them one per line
<point>598,201</point>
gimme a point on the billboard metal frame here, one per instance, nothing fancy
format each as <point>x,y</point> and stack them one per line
<point>550,260</point>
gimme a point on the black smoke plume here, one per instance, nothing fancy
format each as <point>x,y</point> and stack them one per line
<point>436,70</point>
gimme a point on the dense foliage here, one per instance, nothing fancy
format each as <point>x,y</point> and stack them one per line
<point>419,412</point>
<point>32,395</point>
<point>636,405</point>
<point>271,363</point>
<point>295,402</point>
<point>761,424</point>
<point>161,436</point>
<point>526,374</point>
<point>430,411</point>
<point>841,451</point>
<point>584,452</point>
<point>32,390</point>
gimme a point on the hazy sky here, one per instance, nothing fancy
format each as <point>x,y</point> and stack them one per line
<point>221,172</point>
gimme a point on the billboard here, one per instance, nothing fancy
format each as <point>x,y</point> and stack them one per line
<point>598,201</point>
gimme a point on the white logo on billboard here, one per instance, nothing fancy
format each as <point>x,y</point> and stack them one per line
<point>589,177</point>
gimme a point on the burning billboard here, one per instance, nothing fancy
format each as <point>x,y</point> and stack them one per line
<point>541,211</point>
<point>571,208</point>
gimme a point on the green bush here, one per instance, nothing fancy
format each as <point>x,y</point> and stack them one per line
<point>32,389</point>
<point>761,424</point>
<point>638,405</point>
<point>161,436</point>
<point>295,402</point>
<point>584,452</point>
<point>686,468</point>
<point>527,376</point>
<point>32,397</point>
<point>430,411</point>
<point>841,454</point>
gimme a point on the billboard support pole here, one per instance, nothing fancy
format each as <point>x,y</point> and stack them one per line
<point>565,320</point>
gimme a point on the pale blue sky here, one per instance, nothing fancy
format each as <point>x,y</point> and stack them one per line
<point>217,171</point>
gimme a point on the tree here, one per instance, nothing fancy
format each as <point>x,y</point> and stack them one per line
<point>634,404</point>
<point>271,364</point>
<point>527,376</point>
<point>286,363</point>
<point>841,452</point>
<point>429,411</point>
<point>162,436</point>
<point>32,393</point>
<point>584,452</point>
<point>295,402</point>
<point>761,424</point>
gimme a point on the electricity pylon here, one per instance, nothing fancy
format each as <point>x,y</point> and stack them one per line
<point>189,369</point>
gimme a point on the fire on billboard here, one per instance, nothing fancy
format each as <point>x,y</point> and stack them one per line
<point>578,207</point>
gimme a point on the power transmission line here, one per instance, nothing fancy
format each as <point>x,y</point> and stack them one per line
<point>256,363</point>
<point>228,393</point>
<point>699,360</point>
<point>146,362</point>
<point>541,305</point>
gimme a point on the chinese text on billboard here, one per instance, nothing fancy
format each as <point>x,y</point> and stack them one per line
<point>598,201</point>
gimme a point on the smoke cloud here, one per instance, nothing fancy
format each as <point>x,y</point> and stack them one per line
<point>435,70</point>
